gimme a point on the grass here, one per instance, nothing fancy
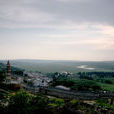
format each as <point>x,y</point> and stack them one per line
<point>107,87</point>
<point>56,102</point>
<point>104,104</point>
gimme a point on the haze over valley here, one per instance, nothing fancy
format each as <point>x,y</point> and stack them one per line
<point>46,66</point>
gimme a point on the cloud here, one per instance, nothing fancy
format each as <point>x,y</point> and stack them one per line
<point>37,13</point>
<point>73,0</point>
<point>70,28</point>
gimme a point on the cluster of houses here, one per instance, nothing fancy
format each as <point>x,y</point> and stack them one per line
<point>32,81</point>
<point>36,79</point>
<point>29,81</point>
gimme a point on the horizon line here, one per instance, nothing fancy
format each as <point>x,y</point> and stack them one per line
<point>59,60</point>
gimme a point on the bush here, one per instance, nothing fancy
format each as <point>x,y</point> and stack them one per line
<point>19,103</point>
<point>56,102</point>
<point>108,82</point>
<point>86,85</point>
<point>2,77</point>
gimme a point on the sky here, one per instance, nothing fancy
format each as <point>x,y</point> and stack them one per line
<point>57,29</point>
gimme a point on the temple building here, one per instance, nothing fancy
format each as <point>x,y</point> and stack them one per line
<point>8,72</point>
<point>11,79</point>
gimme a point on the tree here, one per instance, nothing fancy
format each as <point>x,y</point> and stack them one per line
<point>108,81</point>
<point>40,104</point>
<point>20,103</point>
<point>2,77</point>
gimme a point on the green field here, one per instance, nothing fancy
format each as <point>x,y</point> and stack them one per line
<point>107,87</point>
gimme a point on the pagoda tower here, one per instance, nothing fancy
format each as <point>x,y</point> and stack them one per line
<point>8,70</point>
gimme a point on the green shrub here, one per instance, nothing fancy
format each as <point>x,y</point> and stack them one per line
<point>108,82</point>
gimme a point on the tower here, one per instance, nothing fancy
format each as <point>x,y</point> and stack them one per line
<point>8,71</point>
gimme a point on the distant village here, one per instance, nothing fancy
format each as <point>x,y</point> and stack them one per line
<point>29,81</point>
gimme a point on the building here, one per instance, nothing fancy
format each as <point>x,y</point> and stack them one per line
<point>8,72</point>
<point>11,79</point>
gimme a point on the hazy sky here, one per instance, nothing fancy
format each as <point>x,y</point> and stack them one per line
<point>57,29</point>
